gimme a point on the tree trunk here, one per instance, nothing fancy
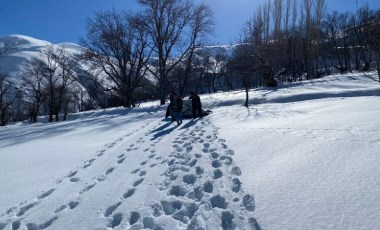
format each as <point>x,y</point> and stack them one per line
<point>2,117</point>
<point>378,65</point>
<point>246,93</point>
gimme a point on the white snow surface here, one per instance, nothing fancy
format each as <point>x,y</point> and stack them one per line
<point>302,156</point>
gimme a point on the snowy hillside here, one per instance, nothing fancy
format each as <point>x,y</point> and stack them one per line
<point>303,156</point>
<point>23,48</point>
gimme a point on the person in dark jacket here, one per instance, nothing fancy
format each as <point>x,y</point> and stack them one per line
<point>196,105</point>
<point>169,109</point>
<point>176,107</point>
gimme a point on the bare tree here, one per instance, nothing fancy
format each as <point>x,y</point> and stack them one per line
<point>201,25</point>
<point>372,28</point>
<point>117,44</point>
<point>287,16</point>
<point>360,45</point>
<point>277,16</point>
<point>49,57</point>
<point>266,19</point>
<point>67,76</point>
<point>335,25</point>
<point>308,4</point>
<point>33,80</point>
<point>173,26</point>
<point>8,96</point>
<point>319,13</point>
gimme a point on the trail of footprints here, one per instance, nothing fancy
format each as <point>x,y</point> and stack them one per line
<point>191,188</point>
<point>185,201</point>
<point>196,194</point>
<point>18,212</point>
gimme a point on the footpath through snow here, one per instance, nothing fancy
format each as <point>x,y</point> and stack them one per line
<point>155,176</point>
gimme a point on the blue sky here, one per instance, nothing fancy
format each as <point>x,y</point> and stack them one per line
<point>64,20</point>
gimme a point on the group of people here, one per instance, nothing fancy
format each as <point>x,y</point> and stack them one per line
<point>176,106</point>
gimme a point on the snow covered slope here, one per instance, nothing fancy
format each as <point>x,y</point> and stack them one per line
<point>23,48</point>
<point>304,156</point>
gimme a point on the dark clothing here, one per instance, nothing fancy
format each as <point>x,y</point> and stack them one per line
<point>169,110</point>
<point>176,106</point>
<point>177,117</point>
<point>197,106</point>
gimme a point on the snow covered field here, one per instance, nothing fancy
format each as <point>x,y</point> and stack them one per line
<point>303,156</point>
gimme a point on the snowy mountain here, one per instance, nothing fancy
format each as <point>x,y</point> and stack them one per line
<point>23,48</point>
<point>302,156</point>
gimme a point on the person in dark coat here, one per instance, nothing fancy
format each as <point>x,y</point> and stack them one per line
<point>196,105</point>
<point>169,109</point>
<point>176,107</point>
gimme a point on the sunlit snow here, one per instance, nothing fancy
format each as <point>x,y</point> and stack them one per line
<point>302,156</point>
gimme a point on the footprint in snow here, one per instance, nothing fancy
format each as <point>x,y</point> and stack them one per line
<point>73,204</point>
<point>88,163</point>
<point>214,155</point>
<point>70,205</point>
<point>189,179</point>
<point>87,188</point>
<point>178,191</point>
<point>138,182</point>
<point>231,152</point>
<point>101,178</point>
<point>26,208</point>
<point>16,224</point>
<point>193,163</point>
<point>116,220</point>
<point>228,221</point>
<point>110,170</point>
<point>135,171</point>
<point>121,160</point>
<point>71,174</point>
<point>218,202</point>
<point>224,146</point>
<point>216,164</point>
<point>129,193</point>
<point>46,194</point>
<point>111,209</point>
<point>236,171</point>
<point>227,160</point>
<point>33,226</point>
<point>198,170</point>
<point>101,153</point>
<point>249,202</point>
<point>236,185</point>
<point>135,216</point>
<point>217,174</point>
